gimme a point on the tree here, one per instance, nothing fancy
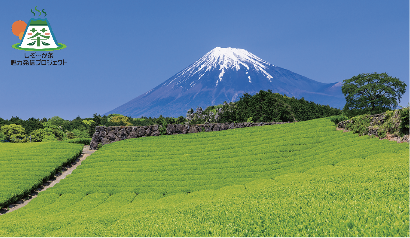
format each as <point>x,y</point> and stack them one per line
<point>90,126</point>
<point>32,124</point>
<point>2,136</point>
<point>14,133</point>
<point>371,93</point>
<point>121,120</point>
<point>38,135</point>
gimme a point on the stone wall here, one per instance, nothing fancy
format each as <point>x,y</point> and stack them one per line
<point>105,135</point>
<point>376,124</point>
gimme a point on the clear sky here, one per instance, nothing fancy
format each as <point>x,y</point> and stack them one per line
<point>118,50</point>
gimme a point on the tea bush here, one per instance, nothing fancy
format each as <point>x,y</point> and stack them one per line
<point>338,118</point>
<point>23,167</point>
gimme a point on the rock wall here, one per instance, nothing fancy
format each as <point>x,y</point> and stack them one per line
<point>105,135</point>
<point>376,124</point>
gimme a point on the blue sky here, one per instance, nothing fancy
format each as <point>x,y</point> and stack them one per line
<point>119,50</point>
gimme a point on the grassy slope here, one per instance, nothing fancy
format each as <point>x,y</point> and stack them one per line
<point>295,179</point>
<point>24,166</point>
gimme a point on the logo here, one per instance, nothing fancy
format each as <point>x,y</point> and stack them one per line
<point>36,36</point>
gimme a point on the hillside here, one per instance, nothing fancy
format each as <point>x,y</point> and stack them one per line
<point>296,179</point>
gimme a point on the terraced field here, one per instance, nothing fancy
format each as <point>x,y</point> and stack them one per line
<point>299,179</point>
<point>25,166</point>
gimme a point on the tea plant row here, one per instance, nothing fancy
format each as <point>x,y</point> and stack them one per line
<point>23,167</point>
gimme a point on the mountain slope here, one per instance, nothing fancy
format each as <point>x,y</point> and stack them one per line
<point>224,74</point>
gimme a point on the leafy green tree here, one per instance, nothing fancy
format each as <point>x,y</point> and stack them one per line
<point>121,119</point>
<point>56,121</point>
<point>180,120</point>
<point>14,133</point>
<point>16,120</point>
<point>97,119</point>
<point>49,133</point>
<point>32,124</point>
<point>371,93</point>
<point>2,121</point>
<point>264,106</point>
<point>38,135</point>
<point>90,126</point>
<point>112,115</point>
<point>51,127</point>
<point>80,133</point>
<point>2,136</point>
<point>49,137</point>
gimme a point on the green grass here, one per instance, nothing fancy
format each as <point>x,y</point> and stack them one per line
<point>299,179</point>
<point>25,166</point>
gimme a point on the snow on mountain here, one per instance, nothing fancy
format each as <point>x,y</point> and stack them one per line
<point>224,74</point>
<point>223,59</point>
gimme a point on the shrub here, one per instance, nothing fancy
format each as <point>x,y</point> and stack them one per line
<point>360,124</point>
<point>121,119</point>
<point>14,133</point>
<point>38,135</point>
<point>70,135</point>
<point>80,133</point>
<point>84,141</point>
<point>404,125</point>
<point>381,133</point>
<point>49,138</point>
<point>338,118</point>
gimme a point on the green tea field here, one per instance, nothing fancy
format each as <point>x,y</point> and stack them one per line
<point>25,166</point>
<point>296,179</point>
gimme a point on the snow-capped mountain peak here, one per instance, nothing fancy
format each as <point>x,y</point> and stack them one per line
<point>236,72</point>
<point>225,58</point>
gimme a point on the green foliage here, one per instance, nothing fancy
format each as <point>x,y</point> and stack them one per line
<point>70,135</point>
<point>99,146</point>
<point>2,136</point>
<point>359,124</point>
<point>84,141</point>
<point>381,133</point>
<point>162,125</point>
<point>315,181</point>
<point>53,132</point>
<point>264,106</point>
<point>24,167</point>
<point>38,135</point>
<point>79,133</point>
<point>249,120</point>
<point>338,118</point>
<point>404,125</point>
<point>55,121</point>
<point>121,119</point>
<point>49,138</point>
<point>14,133</point>
<point>88,122</point>
<point>371,93</point>
<point>32,124</point>
<point>81,128</point>
<point>113,115</point>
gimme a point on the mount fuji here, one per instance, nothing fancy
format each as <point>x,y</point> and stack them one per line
<point>225,74</point>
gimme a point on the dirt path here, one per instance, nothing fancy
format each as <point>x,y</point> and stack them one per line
<point>66,171</point>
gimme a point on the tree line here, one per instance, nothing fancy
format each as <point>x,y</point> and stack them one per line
<point>365,94</point>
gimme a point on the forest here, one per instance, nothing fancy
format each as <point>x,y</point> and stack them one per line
<point>264,106</point>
